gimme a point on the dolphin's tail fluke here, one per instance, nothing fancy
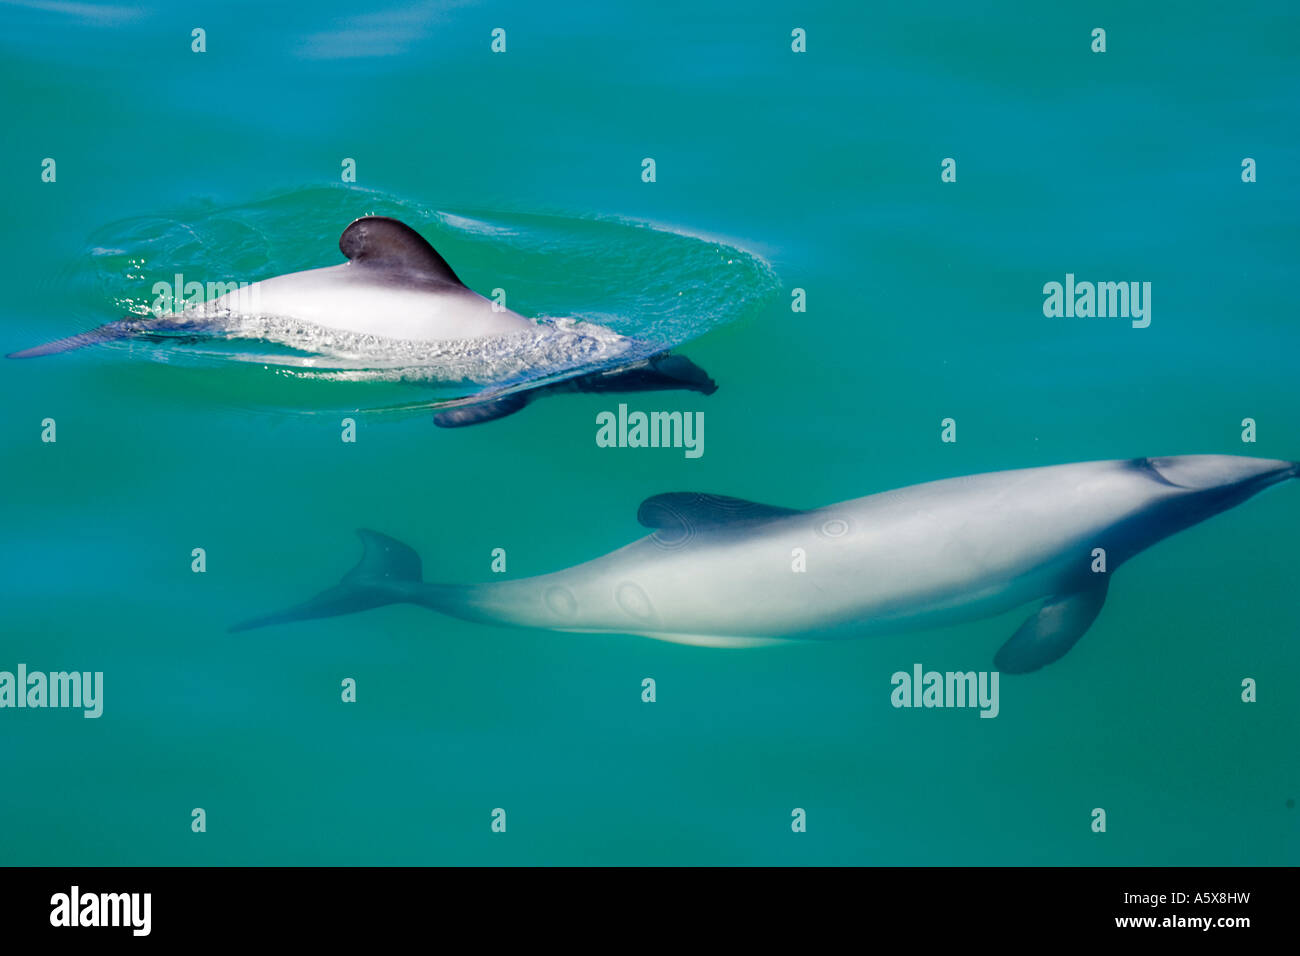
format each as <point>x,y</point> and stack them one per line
<point>389,572</point>
<point>105,333</point>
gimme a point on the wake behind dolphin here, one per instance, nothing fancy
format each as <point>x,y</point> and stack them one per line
<point>394,287</point>
<point>717,571</point>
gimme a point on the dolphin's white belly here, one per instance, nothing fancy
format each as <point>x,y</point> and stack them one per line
<point>926,555</point>
<point>347,299</point>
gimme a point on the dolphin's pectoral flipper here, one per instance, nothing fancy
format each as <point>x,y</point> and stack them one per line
<point>377,242</point>
<point>690,510</point>
<point>1057,626</point>
<point>487,410</point>
<point>659,373</point>
<point>386,574</point>
<point>662,372</point>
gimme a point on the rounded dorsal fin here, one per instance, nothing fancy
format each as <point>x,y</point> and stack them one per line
<point>378,242</point>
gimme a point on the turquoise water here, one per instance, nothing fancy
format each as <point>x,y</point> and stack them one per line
<point>774,171</point>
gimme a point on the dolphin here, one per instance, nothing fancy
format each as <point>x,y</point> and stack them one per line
<point>393,286</point>
<point>718,571</point>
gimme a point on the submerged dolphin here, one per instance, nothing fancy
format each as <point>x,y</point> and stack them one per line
<point>718,572</point>
<point>393,286</point>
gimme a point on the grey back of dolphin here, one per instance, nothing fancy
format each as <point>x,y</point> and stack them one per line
<point>717,571</point>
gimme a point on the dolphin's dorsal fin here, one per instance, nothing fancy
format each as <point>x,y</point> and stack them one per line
<point>688,510</point>
<point>1057,626</point>
<point>378,242</point>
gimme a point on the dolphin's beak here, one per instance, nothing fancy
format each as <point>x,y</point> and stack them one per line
<point>1221,472</point>
<point>1287,471</point>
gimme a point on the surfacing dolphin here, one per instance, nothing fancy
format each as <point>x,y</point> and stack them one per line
<point>717,571</point>
<point>394,286</point>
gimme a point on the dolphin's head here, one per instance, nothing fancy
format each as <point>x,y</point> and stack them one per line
<point>1225,473</point>
<point>1184,490</point>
